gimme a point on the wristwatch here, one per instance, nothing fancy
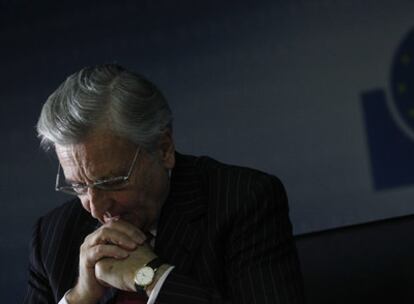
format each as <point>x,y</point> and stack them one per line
<point>145,275</point>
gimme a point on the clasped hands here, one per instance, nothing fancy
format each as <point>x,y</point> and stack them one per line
<point>110,256</point>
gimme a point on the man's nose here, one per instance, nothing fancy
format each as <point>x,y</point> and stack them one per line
<point>99,202</point>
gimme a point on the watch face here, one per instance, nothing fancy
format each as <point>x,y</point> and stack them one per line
<point>144,276</point>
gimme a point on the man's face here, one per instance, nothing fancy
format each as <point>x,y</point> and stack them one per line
<point>102,155</point>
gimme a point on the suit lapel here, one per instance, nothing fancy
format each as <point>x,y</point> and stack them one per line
<point>182,220</point>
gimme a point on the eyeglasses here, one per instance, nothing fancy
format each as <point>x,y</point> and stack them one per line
<point>110,184</point>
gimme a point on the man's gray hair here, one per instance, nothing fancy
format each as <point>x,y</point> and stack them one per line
<point>107,97</point>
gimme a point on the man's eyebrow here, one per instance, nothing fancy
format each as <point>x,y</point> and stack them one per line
<point>110,175</point>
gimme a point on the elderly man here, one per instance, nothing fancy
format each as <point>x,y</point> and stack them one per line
<point>149,224</point>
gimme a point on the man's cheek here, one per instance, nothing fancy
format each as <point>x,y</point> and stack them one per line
<point>129,200</point>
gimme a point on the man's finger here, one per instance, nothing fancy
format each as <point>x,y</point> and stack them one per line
<point>108,235</point>
<point>98,252</point>
<point>128,229</point>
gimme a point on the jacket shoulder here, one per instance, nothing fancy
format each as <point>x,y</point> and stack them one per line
<point>240,188</point>
<point>249,178</point>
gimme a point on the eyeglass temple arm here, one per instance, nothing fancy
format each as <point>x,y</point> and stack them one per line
<point>57,178</point>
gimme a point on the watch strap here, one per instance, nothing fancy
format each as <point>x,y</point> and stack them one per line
<point>155,263</point>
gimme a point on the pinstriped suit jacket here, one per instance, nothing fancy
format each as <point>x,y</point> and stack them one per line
<point>225,228</point>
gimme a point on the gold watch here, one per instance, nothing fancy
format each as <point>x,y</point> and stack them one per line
<point>145,275</point>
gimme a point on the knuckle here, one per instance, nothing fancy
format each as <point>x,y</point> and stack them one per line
<point>87,240</point>
<point>109,224</point>
<point>104,230</point>
<point>98,250</point>
<point>83,248</point>
<point>104,233</point>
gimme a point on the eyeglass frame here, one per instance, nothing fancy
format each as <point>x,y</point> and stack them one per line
<point>123,178</point>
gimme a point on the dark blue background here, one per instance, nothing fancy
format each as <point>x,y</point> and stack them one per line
<point>222,66</point>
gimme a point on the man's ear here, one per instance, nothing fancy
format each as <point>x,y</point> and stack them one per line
<point>167,150</point>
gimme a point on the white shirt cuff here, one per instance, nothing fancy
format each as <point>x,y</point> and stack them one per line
<point>157,288</point>
<point>63,300</point>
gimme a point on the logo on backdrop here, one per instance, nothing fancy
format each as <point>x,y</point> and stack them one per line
<point>389,119</point>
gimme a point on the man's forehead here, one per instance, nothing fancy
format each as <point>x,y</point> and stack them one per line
<point>99,154</point>
<point>68,153</point>
<point>88,154</point>
<point>96,144</point>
